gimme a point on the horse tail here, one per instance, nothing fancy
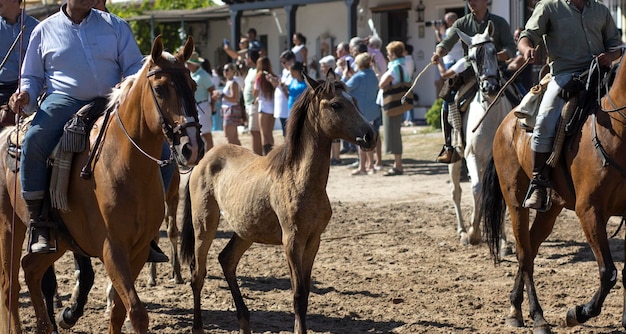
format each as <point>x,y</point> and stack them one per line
<point>188,240</point>
<point>492,208</point>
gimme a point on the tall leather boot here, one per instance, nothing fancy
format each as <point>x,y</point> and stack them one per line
<point>447,152</point>
<point>536,197</point>
<point>156,255</point>
<point>39,229</point>
<point>267,148</point>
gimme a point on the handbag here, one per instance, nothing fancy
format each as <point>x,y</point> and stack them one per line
<point>392,98</point>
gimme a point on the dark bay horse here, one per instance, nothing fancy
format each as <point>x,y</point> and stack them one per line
<point>590,178</point>
<point>279,199</point>
<point>115,213</point>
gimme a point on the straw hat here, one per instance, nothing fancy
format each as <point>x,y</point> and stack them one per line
<point>195,59</point>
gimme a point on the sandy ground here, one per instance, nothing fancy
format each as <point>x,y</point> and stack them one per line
<point>389,262</point>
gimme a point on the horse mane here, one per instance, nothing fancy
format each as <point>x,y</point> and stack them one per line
<point>120,92</point>
<point>293,148</point>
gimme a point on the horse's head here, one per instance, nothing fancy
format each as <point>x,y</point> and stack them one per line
<point>338,114</point>
<point>483,56</point>
<point>172,93</point>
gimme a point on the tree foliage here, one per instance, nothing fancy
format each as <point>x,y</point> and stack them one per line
<point>171,33</point>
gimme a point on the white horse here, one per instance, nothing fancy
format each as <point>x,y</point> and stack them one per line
<point>476,145</point>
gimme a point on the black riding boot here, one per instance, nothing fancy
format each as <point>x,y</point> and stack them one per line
<point>38,228</point>
<point>536,197</point>
<point>447,154</point>
<point>156,254</point>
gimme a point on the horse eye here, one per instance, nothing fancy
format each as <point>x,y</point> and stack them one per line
<point>335,105</point>
<point>159,90</point>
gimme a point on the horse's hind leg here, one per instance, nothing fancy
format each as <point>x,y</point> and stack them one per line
<point>528,247</point>
<point>454,170</point>
<point>68,317</point>
<point>229,258</point>
<point>49,288</point>
<point>594,226</point>
<point>10,253</point>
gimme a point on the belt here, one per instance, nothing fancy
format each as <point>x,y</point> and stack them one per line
<point>198,102</point>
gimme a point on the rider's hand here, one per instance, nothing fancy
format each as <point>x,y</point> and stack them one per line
<point>607,58</point>
<point>18,101</point>
<point>526,49</point>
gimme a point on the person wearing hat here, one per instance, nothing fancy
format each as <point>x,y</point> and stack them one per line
<point>203,97</point>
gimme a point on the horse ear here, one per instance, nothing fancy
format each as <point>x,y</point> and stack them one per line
<point>310,81</point>
<point>157,49</point>
<point>489,29</point>
<point>331,73</point>
<point>464,37</point>
<point>187,50</point>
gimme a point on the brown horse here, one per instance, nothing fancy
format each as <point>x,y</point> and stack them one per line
<point>116,212</point>
<point>590,179</point>
<point>279,199</point>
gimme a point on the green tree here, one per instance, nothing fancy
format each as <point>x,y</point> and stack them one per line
<point>170,32</point>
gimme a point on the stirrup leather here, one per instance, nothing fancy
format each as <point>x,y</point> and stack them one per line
<point>536,184</point>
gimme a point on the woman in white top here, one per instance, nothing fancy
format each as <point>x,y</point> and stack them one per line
<point>263,91</point>
<point>281,93</point>
<point>231,110</point>
<point>299,47</point>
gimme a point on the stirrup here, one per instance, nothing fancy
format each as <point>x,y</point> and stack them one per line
<point>52,242</point>
<point>536,184</point>
<point>451,150</point>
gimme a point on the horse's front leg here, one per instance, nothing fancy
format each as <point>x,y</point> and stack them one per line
<point>474,166</point>
<point>123,271</point>
<point>34,266</point>
<point>300,257</point>
<point>172,235</point>
<point>594,227</point>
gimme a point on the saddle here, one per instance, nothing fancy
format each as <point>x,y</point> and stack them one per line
<point>460,89</point>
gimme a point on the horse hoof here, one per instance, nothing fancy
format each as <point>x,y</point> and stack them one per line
<point>151,282</point>
<point>62,322</point>
<point>514,322</point>
<point>474,236</point>
<point>571,319</point>
<point>542,330</point>
<point>506,251</point>
<point>464,239</point>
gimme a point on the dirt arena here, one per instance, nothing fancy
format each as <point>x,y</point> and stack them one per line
<point>389,262</point>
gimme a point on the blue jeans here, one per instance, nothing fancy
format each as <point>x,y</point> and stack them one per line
<point>44,134</point>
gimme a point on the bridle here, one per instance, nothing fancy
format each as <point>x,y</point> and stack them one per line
<point>477,55</point>
<point>174,133</point>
